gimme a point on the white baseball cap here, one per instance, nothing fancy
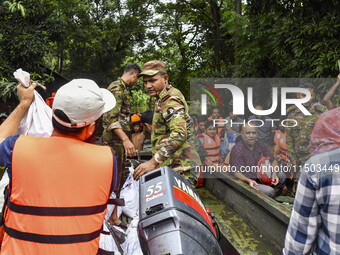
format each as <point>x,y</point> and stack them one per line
<point>83,102</point>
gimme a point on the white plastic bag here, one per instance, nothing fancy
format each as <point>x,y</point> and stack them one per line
<point>106,241</point>
<point>130,193</point>
<point>38,120</point>
<point>23,77</point>
<point>3,183</point>
<point>110,208</point>
<point>131,246</point>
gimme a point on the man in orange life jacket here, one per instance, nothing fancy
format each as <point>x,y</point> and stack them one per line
<point>216,115</point>
<point>211,143</point>
<point>59,186</point>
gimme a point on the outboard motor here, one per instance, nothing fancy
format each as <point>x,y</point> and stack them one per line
<point>172,217</point>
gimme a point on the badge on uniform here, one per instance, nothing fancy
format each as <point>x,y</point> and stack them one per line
<point>170,110</point>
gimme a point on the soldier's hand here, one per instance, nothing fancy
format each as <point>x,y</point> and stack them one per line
<point>144,168</point>
<point>129,148</point>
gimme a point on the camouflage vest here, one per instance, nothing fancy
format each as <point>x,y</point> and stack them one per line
<point>171,122</point>
<point>119,116</point>
<point>298,137</point>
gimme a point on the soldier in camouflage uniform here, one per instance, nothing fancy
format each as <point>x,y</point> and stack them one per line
<point>171,130</point>
<point>298,137</point>
<point>116,125</point>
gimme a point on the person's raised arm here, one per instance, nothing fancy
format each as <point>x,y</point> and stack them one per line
<point>326,100</point>
<point>10,126</point>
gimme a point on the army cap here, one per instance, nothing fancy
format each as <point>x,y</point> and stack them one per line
<point>152,68</point>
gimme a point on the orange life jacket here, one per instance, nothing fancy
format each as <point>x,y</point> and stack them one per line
<point>219,124</point>
<point>280,139</point>
<point>57,203</point>
<point>49,101</point>
<point>212,146</point>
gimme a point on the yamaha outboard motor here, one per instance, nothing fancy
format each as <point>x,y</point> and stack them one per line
<point>173,219</point>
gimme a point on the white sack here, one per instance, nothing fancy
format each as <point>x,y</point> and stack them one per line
<point>106,242</point>
<point>23,77</point>
<point>131,246</point>
<point>38,120</point>
<point>130,193</point>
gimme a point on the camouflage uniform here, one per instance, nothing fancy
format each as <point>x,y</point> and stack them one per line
<point>171,134</point>
<point>298,137</point>
<point>118,117</point>
<point>297,140</point>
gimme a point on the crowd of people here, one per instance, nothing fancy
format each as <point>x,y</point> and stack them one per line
<point>87,172</point>
<point>244,144</point>
<point>90,172</point>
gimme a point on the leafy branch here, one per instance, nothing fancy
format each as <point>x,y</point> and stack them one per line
<point>16,6</point>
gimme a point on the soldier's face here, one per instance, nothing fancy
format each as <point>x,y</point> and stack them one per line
<point>155,84</point>
<point>134,79</point>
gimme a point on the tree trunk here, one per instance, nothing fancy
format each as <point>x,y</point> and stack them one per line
<point>238,8</point>
<point>216,33</point>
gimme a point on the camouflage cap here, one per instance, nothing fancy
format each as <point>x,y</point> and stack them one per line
<point>152,68</point>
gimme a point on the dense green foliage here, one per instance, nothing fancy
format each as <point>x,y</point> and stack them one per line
<point>139,101</point>
<point>97,38</point>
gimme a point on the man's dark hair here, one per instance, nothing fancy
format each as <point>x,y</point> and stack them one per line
<point>56,125</point>
<point>215,108</point>
<point>133,67</point>
<point>62,129</point>
<point>208,124</point>
<point>202,119</point>
<point>147,117</point>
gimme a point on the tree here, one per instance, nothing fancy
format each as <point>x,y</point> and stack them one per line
<point>289,39</point>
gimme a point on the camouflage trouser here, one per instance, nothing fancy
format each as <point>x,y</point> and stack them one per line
<point>122,170</point>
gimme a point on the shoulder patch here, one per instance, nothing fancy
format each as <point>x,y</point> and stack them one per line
<point>170,110</point>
